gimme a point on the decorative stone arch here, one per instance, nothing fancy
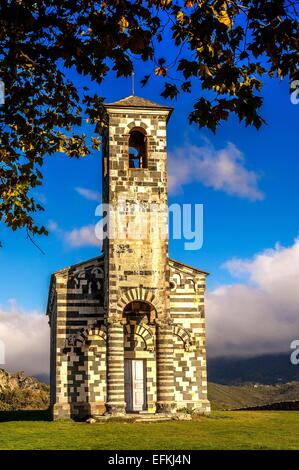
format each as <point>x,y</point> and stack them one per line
<point>176,278</point>
<point>133,124</point>
<point>184,336</point>
<point>191,281</point>
<point>79,277</point>
<point>87,277</point>
<point>144,332</point>
<point>98,272</point>
<point>93,331</point>
<point>139,294</point>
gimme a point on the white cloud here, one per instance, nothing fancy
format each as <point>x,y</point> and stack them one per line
<point>83,236</point>
<point>89,194</point>
<point>25,336</point>
<point>77,237</point>
<point>261,314</point>
<point>53,226</point>
<point>222,170</point>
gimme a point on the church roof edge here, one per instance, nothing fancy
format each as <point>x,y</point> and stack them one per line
<point>180,263</point>
<point>77,265</point>
<point>134,101</point>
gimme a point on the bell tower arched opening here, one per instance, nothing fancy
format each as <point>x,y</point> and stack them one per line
<point>137,148</point>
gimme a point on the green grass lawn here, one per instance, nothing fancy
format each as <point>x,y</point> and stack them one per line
<point>222,430</point>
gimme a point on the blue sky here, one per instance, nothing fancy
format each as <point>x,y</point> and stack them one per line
<point>235,226</point>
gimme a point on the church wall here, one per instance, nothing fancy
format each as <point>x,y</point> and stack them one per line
<point>78,332</point>
<point>78,348</point>
<point>187,313</point>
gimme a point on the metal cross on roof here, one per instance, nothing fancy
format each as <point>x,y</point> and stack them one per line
<point>133,84</point>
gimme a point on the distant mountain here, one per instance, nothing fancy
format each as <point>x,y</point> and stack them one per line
<point>44,378</point>
<point>21,392</point>
<point>230,397</point>
<point>267,369</point>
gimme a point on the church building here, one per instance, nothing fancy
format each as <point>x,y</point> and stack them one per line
<point>128,327</point>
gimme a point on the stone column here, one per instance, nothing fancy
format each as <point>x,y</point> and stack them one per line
<point>115,368</point>
<point>165,369</point>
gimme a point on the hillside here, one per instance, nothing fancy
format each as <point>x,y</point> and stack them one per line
<point>224,397</point>
<point>267,369</point>
<point>19,392</point>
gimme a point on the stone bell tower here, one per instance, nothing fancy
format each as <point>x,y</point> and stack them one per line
<point>136,262</point>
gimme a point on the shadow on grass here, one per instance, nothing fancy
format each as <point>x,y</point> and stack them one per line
<point>25,415</point>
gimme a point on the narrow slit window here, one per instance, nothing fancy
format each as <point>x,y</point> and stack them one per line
<point>137,149</point>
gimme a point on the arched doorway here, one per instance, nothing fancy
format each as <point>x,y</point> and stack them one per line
<point>139,354</point>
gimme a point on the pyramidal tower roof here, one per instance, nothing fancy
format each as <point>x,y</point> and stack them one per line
<point>133,101</point>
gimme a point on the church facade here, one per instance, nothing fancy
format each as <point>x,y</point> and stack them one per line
<point>128,327</point>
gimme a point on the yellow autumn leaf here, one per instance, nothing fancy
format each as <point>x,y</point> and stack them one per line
<point>180,16</point>
<point>161,71</point>
<point>205,71</point>
<point>26,147</point>
<point>224,18</point>
<point>123,23</point>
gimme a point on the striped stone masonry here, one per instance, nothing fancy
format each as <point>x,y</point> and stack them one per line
<point>128,327</point>
<point>87,355</point>
<point>115,368</point>
<point>165,369</point>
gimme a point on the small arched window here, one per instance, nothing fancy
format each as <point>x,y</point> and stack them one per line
<point>137,149</point>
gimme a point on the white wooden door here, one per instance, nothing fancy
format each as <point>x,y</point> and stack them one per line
<point>135,384</point>
<point>138,384</point>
